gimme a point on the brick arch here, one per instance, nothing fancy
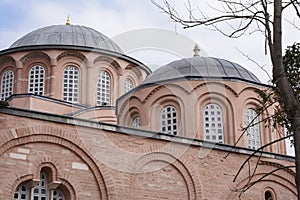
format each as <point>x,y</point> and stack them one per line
<point>67,139</point>
<point>7,60</point>
<point>284,177</point>
<point>135,69</point>
<point>193,186</point>
<point>108,60</point>
<point>73,53</point>
<point>216,84</point>
<point>35,54</point>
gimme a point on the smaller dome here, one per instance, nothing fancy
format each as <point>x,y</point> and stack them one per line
<point>67,35</point>
<point>203,68</point>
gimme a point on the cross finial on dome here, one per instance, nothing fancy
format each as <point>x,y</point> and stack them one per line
<point>196,50</point>
<point>68,20</point>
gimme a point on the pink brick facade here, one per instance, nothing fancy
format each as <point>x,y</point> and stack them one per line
<point>95,163</point>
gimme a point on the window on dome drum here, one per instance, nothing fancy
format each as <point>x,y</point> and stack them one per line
<point>168,119</point>
<point>128,85</point>
<point>71,84</point>
<point>103,89</point>
<point>253,134</point>
<point>269,195</point>
<point>136,122</point>
<point>21,193</point>
<point>36,80</point>
<point>213,123</point>
<point>7,84</point>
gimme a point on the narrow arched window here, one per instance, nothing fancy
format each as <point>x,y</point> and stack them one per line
<point>40,191</point>
<point>213,123</point>
<point>71,84</point>
<point>253,134</point>
<point>136,122</point>
<point>21,193</point>
<point>269,195</point>
<point>7,84</point>
<point>128,85</point>
<point>36,80</point>
<point>103,88</point>
<point>58,195</point>
<point>168,120</point>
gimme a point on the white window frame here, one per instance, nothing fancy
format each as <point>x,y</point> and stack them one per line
<point>19,192</point>
<point>103,88</point>
<point>7,84</point>
<point>169,120</point>
<point>36,80</point>
<point>253,132</point>
<point>213,123</point>
<point>71,84</point>
<point>128,85</point>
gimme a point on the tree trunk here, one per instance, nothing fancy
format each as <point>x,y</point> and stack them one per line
<point>285,89</point>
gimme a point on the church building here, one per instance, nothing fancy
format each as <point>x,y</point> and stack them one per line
<point>81,120</point>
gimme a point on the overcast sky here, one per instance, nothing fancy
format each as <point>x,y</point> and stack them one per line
<point>129,21</point>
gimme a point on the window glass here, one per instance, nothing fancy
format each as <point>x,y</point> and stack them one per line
<point>36,80</point>
<point>253,134</point>
<point>7,84</point>
<point>128,85</point>
<point>71,84</point>
<point>136,122</point>
<point>168,120</point>
<point>213,123</point>
<point>21,193</point>
<point>103,89</point>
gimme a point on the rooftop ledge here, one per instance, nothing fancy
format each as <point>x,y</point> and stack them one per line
<point>138,132</point>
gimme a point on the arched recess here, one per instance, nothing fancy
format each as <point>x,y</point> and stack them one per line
<point>146,164</point>
<point>272,176</point>
<point>7,61</point>
<point>108,60</point>
<point>137,72</point>
<point>74,54</point>
<point>215,86</point>
<point>35,55</point>
<point>227,109</point>
<point>53,135</point>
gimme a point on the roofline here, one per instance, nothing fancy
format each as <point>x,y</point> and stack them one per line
<point>80,48</point>
<point>190,78</point>
<point>138,132</point>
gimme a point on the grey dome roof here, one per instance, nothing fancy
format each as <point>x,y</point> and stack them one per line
<point>67,35</point>
<point>204,68</point>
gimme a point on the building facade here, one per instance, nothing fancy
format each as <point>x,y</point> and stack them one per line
<point>81,120</point>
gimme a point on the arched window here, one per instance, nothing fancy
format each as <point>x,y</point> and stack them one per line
<point>269,195</point>
<point>40,191</point>
<point>168,120</point>
<point>128,85</point>
<point>253,134</point>
<point>136,122</point>
<point>21,193</point>
<point>58,195</point>
<point>36,80</point>
<point>103,88</point>
<point>213,123</point>
<point>7,84</point>
<point>71,84</point>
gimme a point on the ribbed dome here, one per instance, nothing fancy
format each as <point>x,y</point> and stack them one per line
<point>67,35</point>
<point>201,68</point>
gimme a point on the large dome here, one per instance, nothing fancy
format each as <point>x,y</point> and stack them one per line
<point>196,68</point>
<point>67,35</point>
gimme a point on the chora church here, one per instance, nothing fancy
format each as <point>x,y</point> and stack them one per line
<point>80,119</point>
